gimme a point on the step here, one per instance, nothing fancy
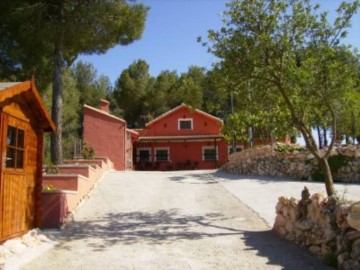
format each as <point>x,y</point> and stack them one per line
<point>93,162</point>
<point>63,181</point>
<point>82,169</point>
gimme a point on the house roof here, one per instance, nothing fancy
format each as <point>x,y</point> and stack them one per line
<point>28,90</point>
<point>183,105</point>
<point>179,138</point>
<point>132,131</point>
<point>104,113</point>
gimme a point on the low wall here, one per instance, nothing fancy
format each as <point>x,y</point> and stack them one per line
<point>68,189</point>
<point>293,161</point>
<point>329,229</point>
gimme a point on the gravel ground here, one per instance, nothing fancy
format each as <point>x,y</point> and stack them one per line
<point>169,220</point>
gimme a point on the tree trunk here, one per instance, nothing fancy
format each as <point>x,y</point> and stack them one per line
<point>325,137</point>
<point>353,128</point>
<point>329,184</point>
<point>57,100</point>
<point>319,137</point>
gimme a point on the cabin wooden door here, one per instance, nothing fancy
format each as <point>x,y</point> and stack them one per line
<point>14,183</point>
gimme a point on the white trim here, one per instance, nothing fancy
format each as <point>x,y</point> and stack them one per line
<point>210,147</point>
<point>186,119</point>
<point>140,149</point>
<point>162,148</point>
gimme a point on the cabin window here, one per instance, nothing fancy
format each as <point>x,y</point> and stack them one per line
<point>15,148</point>
<point>210,153</point>
<point>186,124</point>
<point>143,155</point>
<point>162,154</point>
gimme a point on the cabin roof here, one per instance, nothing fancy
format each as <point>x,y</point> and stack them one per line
<point>5,85</point>
<point>28,90</point>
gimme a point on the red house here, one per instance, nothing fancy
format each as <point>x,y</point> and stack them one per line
<point>108,135</point>
<point>182,138</point>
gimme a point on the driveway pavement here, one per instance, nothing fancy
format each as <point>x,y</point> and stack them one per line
<point>172,220</point>
<point>261,193</point>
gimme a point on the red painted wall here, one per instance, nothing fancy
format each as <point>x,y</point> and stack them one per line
<point>106,134</point>
<point>183,154</point>
<point>168,125</point>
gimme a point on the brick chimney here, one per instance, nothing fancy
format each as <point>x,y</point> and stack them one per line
<point>105,105</point>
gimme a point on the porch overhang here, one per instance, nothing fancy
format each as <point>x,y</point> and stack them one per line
<point>180,138</point>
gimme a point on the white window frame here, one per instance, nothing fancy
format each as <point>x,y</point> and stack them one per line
<point>162,148</point>
<point>185,119</point>
<point>238,147</point>
<point>141,149</point>
<point>212,148</point>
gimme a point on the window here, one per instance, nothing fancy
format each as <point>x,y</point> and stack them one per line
<point>143,154</point>
<point>162,154</point>
<point>15,148</point>
<point>210,153</point>
<point>185,124</point>
<point>238,148</point>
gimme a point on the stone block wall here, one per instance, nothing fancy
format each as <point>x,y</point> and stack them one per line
<point>327,228</point>
<point>298,163</point>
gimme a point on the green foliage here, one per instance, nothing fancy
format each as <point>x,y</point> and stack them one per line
<point>288,148</point>
<point>52,169</point>
<point>82,86</point>
<point>46,36</point>
<point>49,188</point>
<point>331,260</point>
<point>130,92</point>
<point>191,87</point>
<point>141,98</point>
<point>336,162</point>
<point>90,86</point>
<point>88,152</point>
<point>284,58</point>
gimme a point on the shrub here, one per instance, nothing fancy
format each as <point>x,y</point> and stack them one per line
<point>88,152</point>
<point>49,188</point>
<point>335,163</point>
<point>288,148</point>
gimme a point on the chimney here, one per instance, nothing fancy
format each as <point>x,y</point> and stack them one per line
<point>105,105</point>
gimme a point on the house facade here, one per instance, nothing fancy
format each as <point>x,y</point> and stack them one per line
<point>182,138</point>
<point>108,135</point>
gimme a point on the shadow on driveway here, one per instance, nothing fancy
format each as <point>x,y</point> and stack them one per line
<point>166,227</point>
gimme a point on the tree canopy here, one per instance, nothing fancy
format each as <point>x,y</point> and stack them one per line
<point>285,58</point>
<point>42,37</point>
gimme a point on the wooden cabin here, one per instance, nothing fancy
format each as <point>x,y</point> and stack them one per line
<point>23,121</point>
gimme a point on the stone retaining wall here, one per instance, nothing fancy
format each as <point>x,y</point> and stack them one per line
<point>329,229</point>
<point>292,161</point>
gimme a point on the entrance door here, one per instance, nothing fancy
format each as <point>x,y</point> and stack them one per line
<point>14,185</point>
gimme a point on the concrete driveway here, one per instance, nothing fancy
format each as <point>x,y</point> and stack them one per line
<point>261,193</point>
<point>171,220</point>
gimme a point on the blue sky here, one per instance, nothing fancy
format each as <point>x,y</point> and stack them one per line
<point>169,40</point>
